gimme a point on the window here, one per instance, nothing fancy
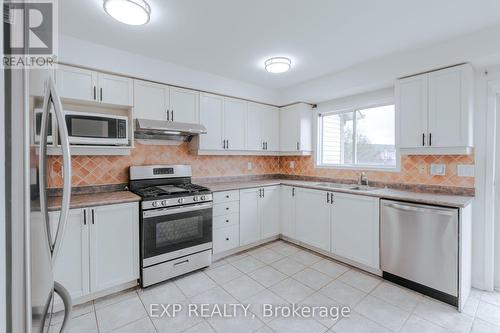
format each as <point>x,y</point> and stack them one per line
<point>358,138</point>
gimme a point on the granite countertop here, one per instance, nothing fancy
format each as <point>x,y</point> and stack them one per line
<point>383,193</point>
<point>95,199</point>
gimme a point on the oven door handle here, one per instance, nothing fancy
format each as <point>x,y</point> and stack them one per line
<point>170,211</point>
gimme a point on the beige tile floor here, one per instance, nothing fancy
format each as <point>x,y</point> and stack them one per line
<point>281,273</point>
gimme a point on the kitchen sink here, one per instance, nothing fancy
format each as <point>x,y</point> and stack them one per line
<point>353,187</point>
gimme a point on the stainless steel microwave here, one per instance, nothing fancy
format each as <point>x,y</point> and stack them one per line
<point>38,125</point>
<point>85,128</point>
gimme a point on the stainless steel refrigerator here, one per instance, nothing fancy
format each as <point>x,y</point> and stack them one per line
<point>34,241</point>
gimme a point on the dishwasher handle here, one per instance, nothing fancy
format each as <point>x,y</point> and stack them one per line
<point>421,209</point>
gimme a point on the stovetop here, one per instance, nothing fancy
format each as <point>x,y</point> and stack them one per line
<point>169,191</point>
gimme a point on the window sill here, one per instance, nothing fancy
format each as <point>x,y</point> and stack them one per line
<point>358,167</point>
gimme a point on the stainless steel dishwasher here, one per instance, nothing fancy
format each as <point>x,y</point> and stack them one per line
<point>419,248</point>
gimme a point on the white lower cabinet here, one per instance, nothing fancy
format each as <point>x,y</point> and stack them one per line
<point>287,211</point>
<point>355,228</point>
<point>259,214</point>
<point>114,246</point>
<point>312,217</point>
<point>100,248</point>
<point>226,226</point>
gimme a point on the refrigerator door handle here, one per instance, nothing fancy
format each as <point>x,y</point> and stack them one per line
<point>66,298</point>
<point>66,197</point>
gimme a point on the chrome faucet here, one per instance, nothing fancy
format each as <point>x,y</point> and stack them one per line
<point>363,179</point>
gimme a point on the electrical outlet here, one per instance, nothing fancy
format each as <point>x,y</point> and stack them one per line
<point>249,165</point>
<point>465,170</point>
<point>292,164</point>
<point>438,169</point>
<point>422,169</point>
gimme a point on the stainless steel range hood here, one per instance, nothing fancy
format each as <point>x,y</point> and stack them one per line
<point>159,130</point>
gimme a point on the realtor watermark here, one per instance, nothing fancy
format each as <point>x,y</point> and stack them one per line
<point>30,34</point>
<point>206,310</point>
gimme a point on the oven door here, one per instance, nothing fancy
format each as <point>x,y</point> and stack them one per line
<point>169,233</point>
<point>96,129</point>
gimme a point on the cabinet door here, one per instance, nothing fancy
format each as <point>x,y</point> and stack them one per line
<point>114,245</point>
<point>235,116</point>
<point>184,105</point>
<point>289,128</point>
<point>411,106</point>
<point>150,100</point>
<point>449,102</point>
<point>253,133</point>
<point>76,83</point>
<point>287,211</point>
<point>312,216</point>
<point>72,264</point>
<point>211,115</point>
<point>270,127</point>
<point>355,228</point>
<point>249,216</point>
<point>114,89</point>
<point>269,209</point>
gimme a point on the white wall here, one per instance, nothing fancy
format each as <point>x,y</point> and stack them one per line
<point>480,48</point>
<point>79,52</point>
<point>3,273</point>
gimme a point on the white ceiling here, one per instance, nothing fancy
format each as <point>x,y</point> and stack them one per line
<point>232,38</point>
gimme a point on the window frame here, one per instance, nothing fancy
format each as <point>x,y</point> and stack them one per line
<point>318,144</point>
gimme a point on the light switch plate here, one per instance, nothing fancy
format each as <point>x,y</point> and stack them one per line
<point>249,166</point>
<point>465,170</point>
<point>292,165</point>
<point>438,169</point>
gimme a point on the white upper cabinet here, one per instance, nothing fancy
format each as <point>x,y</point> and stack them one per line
<point>79,84</point>
<point>262,127</point>
<point>235,114</point>
<point>450,107</point>
<point>312,216</point>
<point>150,100</point>
<point>296,129</point>
<point>355,228</point>
<point>211,116</point>
<point>435,111</point>
<point>184,105</point>
<point>253,127</point>
<point>76,83</point>
<point>38,80</point>
<point>114,89</point>
<point>161,102</point>
<point>411,102</point>
<point>270,124</point>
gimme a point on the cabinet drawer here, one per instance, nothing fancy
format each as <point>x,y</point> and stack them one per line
<point>226,238</point>
<point>226,196</point>
<point>227,220</point>
<point>226,208</point>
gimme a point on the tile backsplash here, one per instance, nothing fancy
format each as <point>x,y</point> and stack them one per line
<point>100,170</point>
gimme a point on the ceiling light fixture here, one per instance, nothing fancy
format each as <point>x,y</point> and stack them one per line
<point>132,12</point>
<point>278,65</point>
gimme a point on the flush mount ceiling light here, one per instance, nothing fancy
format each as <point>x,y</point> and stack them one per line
<point>278,65</point>
<point>132,12</point>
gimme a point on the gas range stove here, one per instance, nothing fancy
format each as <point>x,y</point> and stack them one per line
<point>162,186</point>
<point>175,221</point>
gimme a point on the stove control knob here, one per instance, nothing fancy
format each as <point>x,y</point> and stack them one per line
<point>181,200</point>
<point>155,204</point>
<point>164,203</point>
<point>195,198</point>
<point>203,197</point>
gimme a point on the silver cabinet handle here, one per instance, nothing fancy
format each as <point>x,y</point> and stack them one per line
<point>170,211</point>
<point>172,111</point>
<point>95,93</point>
<point>168,114</point>
<point>298,145</point>
<point>52,96</point>
<point>327,197</point>
<point>100,93</point>
<point>331,198</point>
<point>227,144</point>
